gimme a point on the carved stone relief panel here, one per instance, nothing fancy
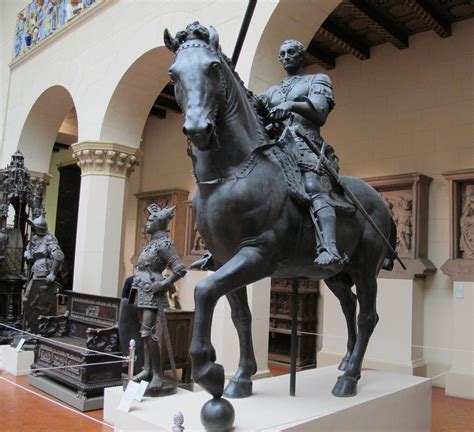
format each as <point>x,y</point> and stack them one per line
<point>466,221</point>
<point>407,198</point>
<point>460,266</point>
<point>400,204</point>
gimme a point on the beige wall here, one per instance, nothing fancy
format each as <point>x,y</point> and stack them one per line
<point>406,111</point>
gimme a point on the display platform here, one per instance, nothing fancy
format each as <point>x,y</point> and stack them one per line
<point>17,363</point>
<point>386,402</point>
<point>65,394</point>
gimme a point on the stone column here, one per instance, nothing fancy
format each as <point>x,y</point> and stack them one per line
<point>105,169</point>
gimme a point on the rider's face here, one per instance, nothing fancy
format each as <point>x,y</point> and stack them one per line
<point>290,58</point>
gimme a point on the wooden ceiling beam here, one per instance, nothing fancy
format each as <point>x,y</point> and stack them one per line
<point>325,60</point>
<point>348,43</point>
<point>168,103</point>
<point>395,35</point>
<point>425,11</point>
<point>158,112</point>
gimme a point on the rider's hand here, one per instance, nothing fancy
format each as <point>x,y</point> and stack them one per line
<point>282,111</point>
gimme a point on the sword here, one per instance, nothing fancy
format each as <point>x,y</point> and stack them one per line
<point>349,193</point>
<point>166,336</point>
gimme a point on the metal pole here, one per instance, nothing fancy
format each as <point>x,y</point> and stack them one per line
<point>294,334</point>
<point>131,359</point>
<point>243,31</point>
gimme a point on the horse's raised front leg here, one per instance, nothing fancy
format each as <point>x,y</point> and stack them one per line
<point>341,285</point>
<point>240,385</point>
<point>366,321</point>
<point>247,266</point>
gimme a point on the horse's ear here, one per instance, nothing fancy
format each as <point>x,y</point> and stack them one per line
<point>170,41</point>
<point>213,38</point>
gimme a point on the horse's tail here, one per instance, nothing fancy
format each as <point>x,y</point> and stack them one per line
<point>389,260</point>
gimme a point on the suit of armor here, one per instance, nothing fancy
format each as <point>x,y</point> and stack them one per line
<point>151,287</point>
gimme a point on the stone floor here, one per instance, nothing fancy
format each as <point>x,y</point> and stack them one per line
<point>24,408</point>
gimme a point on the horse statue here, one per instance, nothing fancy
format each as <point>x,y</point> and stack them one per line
<point>252,223</point>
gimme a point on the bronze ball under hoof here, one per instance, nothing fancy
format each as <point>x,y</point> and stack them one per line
<point>217,415</point>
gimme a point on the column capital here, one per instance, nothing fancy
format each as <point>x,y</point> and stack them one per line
<point>106,158</point>
<point>40,177</point>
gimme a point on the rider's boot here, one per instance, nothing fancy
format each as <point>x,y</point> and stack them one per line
<point>326,219</point>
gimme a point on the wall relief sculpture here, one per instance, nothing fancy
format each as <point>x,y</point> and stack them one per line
<point>460,265</point>
<point>407,198</point>
<point>466,223</point>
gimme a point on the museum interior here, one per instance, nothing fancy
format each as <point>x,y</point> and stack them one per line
<point>136,139</point>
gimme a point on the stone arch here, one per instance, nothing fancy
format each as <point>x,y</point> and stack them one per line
<point>132,99</point>
<point>42,125</point>
<point>290,20</point>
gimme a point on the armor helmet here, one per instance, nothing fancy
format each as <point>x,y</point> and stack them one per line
<point>18,160</point>
<point>39,224</point>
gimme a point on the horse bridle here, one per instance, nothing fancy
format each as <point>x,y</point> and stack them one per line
<point>223,93</point>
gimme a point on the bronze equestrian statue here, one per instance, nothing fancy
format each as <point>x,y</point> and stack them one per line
<point>253,211</point>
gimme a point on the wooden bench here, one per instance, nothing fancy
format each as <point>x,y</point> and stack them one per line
<point>77,345</point>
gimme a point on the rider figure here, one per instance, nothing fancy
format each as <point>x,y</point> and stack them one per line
<point>304,102</point>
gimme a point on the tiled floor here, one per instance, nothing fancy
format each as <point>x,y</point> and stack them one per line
<point>23,408</point>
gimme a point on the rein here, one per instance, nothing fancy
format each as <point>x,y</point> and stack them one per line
<point>246,167</point>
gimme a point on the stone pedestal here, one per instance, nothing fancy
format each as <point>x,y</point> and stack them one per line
<point>396,342</point>
<point>17,363</point>
<point>386,401</point>
<point>105,168</point>
<point>460,379</point>
<point>224,335</point>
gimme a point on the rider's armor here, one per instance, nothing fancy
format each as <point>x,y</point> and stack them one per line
<point>309,88</point>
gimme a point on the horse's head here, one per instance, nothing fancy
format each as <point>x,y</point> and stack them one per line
<point>198,81</point>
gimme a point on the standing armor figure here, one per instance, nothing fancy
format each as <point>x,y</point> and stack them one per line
<point>303,102</point>
<point>45,257</point>
<point>150,289</point>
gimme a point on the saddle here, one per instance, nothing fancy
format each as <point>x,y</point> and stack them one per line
<point>284,153</point>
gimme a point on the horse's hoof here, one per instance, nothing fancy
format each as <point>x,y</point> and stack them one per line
<point>345,387</point>
<point>211,379</point>
<point>217,415</point>
<point>238,388</point>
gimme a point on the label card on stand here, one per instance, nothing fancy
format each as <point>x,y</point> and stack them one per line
<point>20,345</point>
<point>141,390</point>
<point>128,396</point>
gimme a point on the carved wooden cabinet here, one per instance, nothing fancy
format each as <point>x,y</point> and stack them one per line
<point>70,354</point>
<point>280,322</point>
